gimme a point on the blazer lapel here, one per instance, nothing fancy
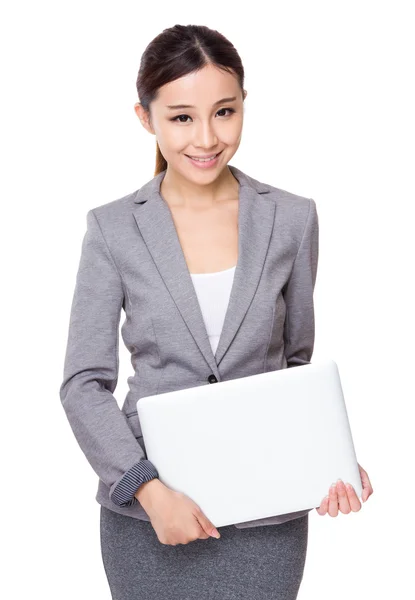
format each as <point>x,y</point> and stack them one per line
<point>255,223</point>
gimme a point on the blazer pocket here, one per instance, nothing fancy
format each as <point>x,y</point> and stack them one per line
<point>134,423</point>
<point>275,346</point>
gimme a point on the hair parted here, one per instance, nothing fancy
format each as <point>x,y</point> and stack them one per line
<point>179,51</point>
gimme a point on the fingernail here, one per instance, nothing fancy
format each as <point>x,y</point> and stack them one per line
<point>333,485</point>
<point>215,533</point>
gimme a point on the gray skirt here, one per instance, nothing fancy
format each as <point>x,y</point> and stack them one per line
<point>264,562</point>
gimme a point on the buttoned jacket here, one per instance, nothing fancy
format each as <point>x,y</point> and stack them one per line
<point>132,264</point>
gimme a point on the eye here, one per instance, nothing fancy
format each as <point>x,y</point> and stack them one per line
<point>231,110</point>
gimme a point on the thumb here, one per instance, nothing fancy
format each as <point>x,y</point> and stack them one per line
<point>208,526</point>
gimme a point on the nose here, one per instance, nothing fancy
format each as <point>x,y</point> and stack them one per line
<point>205,136</point>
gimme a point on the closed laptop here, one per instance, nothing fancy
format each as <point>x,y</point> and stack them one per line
<point>253,447</point>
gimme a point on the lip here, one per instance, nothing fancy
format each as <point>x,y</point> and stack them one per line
<point>205,164</point>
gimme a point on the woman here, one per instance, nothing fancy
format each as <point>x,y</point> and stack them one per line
<point>170,254</point>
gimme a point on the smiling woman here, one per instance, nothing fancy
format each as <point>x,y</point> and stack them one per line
<point>215,272</point>
<point>204,77</point>
<point>207,135</point>
<point>193,104</point>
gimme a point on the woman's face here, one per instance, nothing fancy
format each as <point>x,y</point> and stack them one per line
<point>207,125</point>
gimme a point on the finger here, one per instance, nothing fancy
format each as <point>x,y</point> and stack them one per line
<point>344,504</point>
<point>366,485</point>
<point>367,488</point>
<point>367,491</point>
<point>202,533</point>
<point>205,523</point>
<point>333,501</point>
<point>354,501</point>
<point>322,509</point>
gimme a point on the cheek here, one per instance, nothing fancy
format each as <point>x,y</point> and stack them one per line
<point>171,138</point>
<point>232,133</point>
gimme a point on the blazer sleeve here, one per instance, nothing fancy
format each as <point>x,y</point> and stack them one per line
<point>91,373</point>
<point>299,327</point>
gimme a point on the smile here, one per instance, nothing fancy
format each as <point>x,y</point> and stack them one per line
<point>204,162</point>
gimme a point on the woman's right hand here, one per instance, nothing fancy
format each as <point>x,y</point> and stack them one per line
<point>175,517</point>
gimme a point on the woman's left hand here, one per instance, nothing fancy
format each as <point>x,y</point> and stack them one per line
<point>344,497</point>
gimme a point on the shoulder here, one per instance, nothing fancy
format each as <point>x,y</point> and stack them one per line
<point>114,208</point>
<point>296,209</point>
<point>280,195</point>
<point>115,218</point>
<point>292,210</point>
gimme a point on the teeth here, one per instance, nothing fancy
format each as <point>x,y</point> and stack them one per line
<point>204,159</point>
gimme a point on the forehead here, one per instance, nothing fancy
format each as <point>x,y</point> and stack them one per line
<point>200,88</point>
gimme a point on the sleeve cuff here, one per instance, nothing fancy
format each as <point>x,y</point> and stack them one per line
<point>141,472</point>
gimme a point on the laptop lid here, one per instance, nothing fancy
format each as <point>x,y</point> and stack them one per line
<point>253,447</point>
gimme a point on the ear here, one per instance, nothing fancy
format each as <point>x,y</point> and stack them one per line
<point>245,94</point>
<point>144,116</point>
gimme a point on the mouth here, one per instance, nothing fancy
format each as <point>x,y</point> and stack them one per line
<point>204,162</point>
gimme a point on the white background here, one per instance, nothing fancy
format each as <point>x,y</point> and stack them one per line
<point>329,115</point>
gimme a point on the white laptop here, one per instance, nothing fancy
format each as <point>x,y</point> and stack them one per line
<point>253,447</point>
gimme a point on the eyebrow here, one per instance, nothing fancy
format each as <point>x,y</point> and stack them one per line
<point>222,101</point>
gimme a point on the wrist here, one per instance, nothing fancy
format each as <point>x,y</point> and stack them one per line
<point>146,490</point>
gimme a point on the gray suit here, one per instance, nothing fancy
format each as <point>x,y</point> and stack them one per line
<point>132,259</point>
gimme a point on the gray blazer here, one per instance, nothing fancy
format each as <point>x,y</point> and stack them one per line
<point>131,259</point>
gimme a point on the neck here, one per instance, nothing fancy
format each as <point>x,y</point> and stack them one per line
<point>182,193</point>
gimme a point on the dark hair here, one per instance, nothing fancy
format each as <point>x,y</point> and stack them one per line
<point>176,52</point>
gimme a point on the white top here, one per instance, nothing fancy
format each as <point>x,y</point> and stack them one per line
<point>213,291</point>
